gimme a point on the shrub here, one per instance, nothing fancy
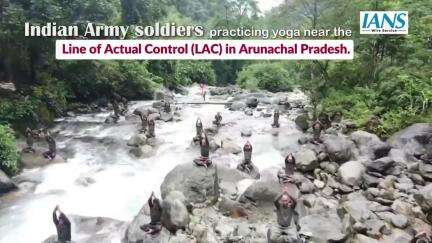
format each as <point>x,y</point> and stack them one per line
<point>8,151</point>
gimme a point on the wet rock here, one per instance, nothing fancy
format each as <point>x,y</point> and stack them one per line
<point>416,133</point>
<point>231,208</point>
<point>399,221</point>
<point>425,171</point>
<point>357,207</point>
<point>141,110</point>
<point>157,104</point>
<point>238,105</point>
<point>137,140</point>
<point>166,117</point>
<point>33,160</point>
<point>302,121</point>
<point>323,228</point>
<point>213,145</point>
<point>339,148</point>
<point>84,181</point>
<point>352,172</point>
<point>230,147</point>
<point>370,144</point>
<point>6,184</point>
<point>398,236</point>
<point>246,132</point>
<point>154,142</point>
<point>94,229</point>
<point>133,233</point>
<point>380,165</point>
<point>330,167</point>
<point>306,160</point>
<point>278,235</point>
<point>359,238</point>
<point>154,116</point>
<point>424,198</point>
<point>142,152</point>
<point>248,112</point>
<point>398,156</point>
<point>376,228</point>
<point>229,179</point>
<point>252,102</point>
<point>198,184</point>
<point>263,193</point>
<point>175,215</point>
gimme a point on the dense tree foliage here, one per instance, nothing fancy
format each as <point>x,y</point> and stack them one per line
<point>8,151</point>
<point>269,76</point>
<point>390,77</point>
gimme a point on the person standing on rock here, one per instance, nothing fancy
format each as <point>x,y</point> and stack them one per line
<point>276,118</point>
<point>287,220</point>
<point>204,160</point>
<point>62,225</point>
<point>52,148</point>
<point>116,115</point>
<point>372,124</point>
<point>336,117</point>
<point>124,102</point>
<point>166,107</point>
<point>317,128</point>
<point>151,128</point>
<point>218,119</point>
<point>155,225</point>
<point>285,175</point>
<point>144,122</point>
<point>247,166</point>
<point>199,131</point>
<point>118,99</point>
<point>30,141</point>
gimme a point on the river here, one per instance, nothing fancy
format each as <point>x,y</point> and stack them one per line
<point>101,178</point>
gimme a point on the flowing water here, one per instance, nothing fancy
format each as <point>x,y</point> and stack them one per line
<point>101,178</point>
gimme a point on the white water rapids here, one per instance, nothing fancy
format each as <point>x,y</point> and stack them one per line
<point>123,183</point>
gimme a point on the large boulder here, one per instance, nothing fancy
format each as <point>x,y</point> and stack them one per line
<point>417,133</point>
<point>370,144</point>
<point>264,192</point>
<point>351,172</point>
<point>198,184</point>
<point>323,228</point>
<point>137,140</point>
<point>252,102</point>
<point>339,148</point>
<point>6,184</point>
<point>166,117</point>
<point>238,105</point>
<point>229,179</point>
<point>175,215</point>
<point>143,152</point>
<point>94,229</point>
<point>425,171</point>
<point>306,160</point>
<point>33,160</point>
<point>133,233</point>
<point>424,198</point>
<point>302,121</point>
<point>380,165</point>
<point>231,147</point>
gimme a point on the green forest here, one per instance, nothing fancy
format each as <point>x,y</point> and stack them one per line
<point>390,77</point>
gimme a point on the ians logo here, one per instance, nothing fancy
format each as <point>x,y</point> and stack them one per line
<point>384,22</point>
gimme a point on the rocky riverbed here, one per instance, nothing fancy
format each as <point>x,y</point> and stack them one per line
<point>352,187</point>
